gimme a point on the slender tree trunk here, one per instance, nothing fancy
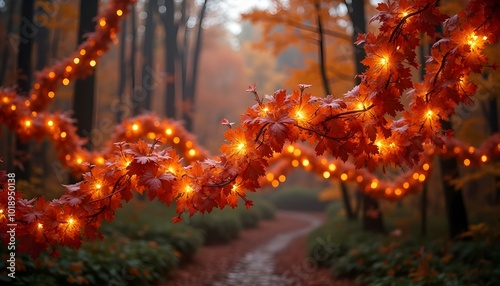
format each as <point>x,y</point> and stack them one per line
<point>7,43</point>
<point>133,55</point>
<point>346,198</point>
<point>122,81</point>
<point>55,44</point>
<point>190,94</point>
<point>24,60</point>
<point>170,55</point>
<point>148,81</point>
<point>84,95</point>
<point>321,51</point>
<point>371,206</point>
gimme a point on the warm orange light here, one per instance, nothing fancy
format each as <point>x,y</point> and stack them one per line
<point>290,149</point>
<point>102,22</point>
<point>135,127</point>
<point>99,160</point>
<point>188,189</point>
<point>27,102</point>
<point>360,106</point>
<point>275,183</point>
<point>374,184</point>
<point>471,149</point>
<point>69,68</point>
<point>79,160</point>
<point>98,186</point>
<point>323,161</point>
<point>168,131</point>
<point>13,107</point>
<point>332,167</point>
<point>398,192</point>
<point>92,63</point>
<point>472,41</point>
<point>484,158</point>
<point>384,60</point>
<point>51,94</point>
<point>241,147</point>
<point>5,99</point>
<point>40,226</point>
<point>177,140</point>
<point>305,162</point>
<point>50,123</point>
<point>406,185</point>
<point>297,152</point>
<point>270,177</point>
<point>27,123</point>
<point>343,177</point>
<point>326,174</point>
<point>425,167</point>
<point>404,14</point>
<point>498,146</point>
<point>388,191</point>
<point>421,178</point>
<point>299,115</point>
<point>429,114</point>
<point>36,85</point>
<point>295,163</point>
<point>71,221</point>
<point>189,144</point>
<point>65,81</point>
<point>456,150</point>
<point>282,178</point>
<point>467,162</point>
<point>83,52</point>
<point>415,175</point>
<point>235,188</point>
<point>63,134</point>
<point>52,74</point>
<point>359,179</point>
<point>76,61</point>
<point>67,157</point>
<point>119,13</point>
<point>151,135</point>
<point>192,152</point>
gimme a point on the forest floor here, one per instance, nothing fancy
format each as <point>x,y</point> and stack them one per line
<point>274,254</point>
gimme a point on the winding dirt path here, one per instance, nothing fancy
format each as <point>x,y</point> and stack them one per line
<point>256,258</point>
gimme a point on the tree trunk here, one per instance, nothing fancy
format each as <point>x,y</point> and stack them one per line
<point>7,43</point>
<point>170,57</point>
<point>148,81</point>
<point>356,12</point>
<point>346,198</point>
<point>321,51</point>
<point>188,100</point>
<point>24,60</point>
<point>122,81</point>
<point>84,95</point>
<point>372,215</point>
<point>493,121</point>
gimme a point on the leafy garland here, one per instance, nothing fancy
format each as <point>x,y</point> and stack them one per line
<point>357,126</point>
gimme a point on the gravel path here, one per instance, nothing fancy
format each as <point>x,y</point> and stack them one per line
<point>257,266</point>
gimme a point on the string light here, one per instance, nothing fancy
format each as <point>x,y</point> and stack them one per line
<point>425,167</point>
<point>119,13</point>
<point>192,152</point>
<point>326,174</point>
<point>484,158</point>
<point>305,162</point>
<point>343,177</point>
<point>40,226</point>
<point>50,123</point>
<point>297,152</point>
<point>295,163</point>
<point>275,183</point>
<point>92,63</point>
<point>290,149</point>
<point>374,184</point>
<point>168,131</point>
<point>102,22</point>
<point>332,167</point>
<point>135,127</point>
<point>76,61</point>
<point>282,178</point>
<point>83,52</point>
<point>270,177</point>
<point>467,162</point>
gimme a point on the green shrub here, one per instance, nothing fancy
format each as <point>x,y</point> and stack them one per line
<point>249,217</point>
<point>217,226</point>
<point>114,261</point>
<point>265,209</point>
<point>298,199</point>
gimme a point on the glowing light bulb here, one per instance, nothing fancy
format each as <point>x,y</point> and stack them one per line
<point>295,163</point>
<point>359,179</point>
<point>189,144</point>
<point>398,192</point>
<point>83,52</point>
<point>52,74</point>
<point>99,160</point>
<point>76,61</point>
<point>92,63</point>
<point>471,149</point>
<point>192,152</point>
<point>384,60</point>
<point>421,178</point>
<point>415,175</point>
<point>404,14</point>
<point>13,107</point>
<point>168,131</point>
<point>50,123</point>
<point>51,94</point>
<point>79,160</point>
<point>297,152</point>
<point>1,211</point>
<point>467,162</point>
<point>374,184</point>
<point>102,22</point>
<point>65,81</point>
<point>135,127</point>
<point>388,191</point>
<point>484,158</point>
<point>119,13</point>
<point>234,189</point>
<point>305,162</point>
<point>282,178</point>
<point>326,174</point>
<point>27,123</point>
<point>343,177</point>
<point>63,134</point>
<point>275,183</point>
<point>406,185</point>
<point>40,226</point>
<point>240,147</point>
<point>5,99</point>
<point>69,68</point>
<point>332,167</point>
<point>177,140</point>
<point>290,149</point>
<point>360,106</point>
<point>426,167</point>
<point>270,176</point>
